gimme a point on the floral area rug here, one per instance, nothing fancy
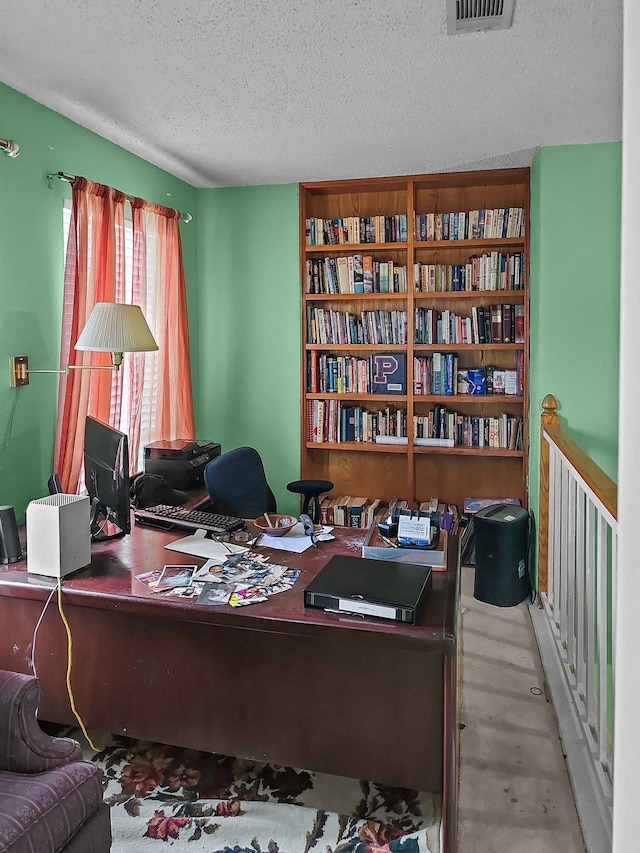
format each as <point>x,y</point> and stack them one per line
<point>164,796</point>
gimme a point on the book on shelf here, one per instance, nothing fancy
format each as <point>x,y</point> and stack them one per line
<point>383,277</point>
<point>348,511</point>
<point>358,274</point>
<point>518,323</point>
<point>343,274</point>
<point>389,373</point>
<point>367,274</point>
<point>355,508</point>
<point>496,323</point>
<point>507,323</point>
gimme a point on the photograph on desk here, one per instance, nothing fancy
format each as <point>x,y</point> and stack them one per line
<point>190,591</point>
<point>215,594</point>
<point>174,576</point>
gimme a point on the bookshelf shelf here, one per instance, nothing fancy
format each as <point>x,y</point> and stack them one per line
<point>469,399</point>
<point>360,446</point>
<point>468,282</point>
<point>503,242</point>
<point>482,296</point>
<point>354,396</point>
<point>357,347</point>
<point>462,347</point>
<point>470,451</point>
<point>362,248</point>
<point>357,297</point>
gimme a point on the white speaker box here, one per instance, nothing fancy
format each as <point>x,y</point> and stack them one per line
<point>58,535</point>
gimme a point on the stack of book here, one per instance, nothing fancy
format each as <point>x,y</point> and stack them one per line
<point>348,511</point>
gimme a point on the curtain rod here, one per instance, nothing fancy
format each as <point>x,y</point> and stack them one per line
<point>63,176</point>
<point>10,147</point>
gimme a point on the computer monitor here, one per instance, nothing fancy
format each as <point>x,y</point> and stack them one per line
<point>106,474</point>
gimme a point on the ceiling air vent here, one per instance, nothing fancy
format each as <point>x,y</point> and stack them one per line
<point>468,16</point>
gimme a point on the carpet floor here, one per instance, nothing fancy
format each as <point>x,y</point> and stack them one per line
<point>196,801</point>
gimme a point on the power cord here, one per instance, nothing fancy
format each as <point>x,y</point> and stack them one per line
<point>69,661</point>
<point>58,589</point>
<point>35,632</point>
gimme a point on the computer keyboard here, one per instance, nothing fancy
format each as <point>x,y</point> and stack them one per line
<point>166,517</point>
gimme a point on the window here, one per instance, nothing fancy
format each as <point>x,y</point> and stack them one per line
<point>121,390</point>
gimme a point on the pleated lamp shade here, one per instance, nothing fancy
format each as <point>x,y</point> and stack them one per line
<point>116,327</point>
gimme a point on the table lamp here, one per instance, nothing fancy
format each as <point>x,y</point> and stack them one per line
<point>113,327</point>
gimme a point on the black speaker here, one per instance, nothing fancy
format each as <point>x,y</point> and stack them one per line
<point>502,536</point>
<point>10,550</point>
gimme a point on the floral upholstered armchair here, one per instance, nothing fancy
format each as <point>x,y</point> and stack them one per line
<point>50,799</point>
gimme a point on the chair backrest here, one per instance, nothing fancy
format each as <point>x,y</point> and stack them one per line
<point>237,483</point>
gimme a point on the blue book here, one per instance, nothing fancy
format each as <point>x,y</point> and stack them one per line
<point>451,377</point>
<point>389,373</point>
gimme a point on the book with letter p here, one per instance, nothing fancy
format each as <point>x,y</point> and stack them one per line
<point>388,373</point>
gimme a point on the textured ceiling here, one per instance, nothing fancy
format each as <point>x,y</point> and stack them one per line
<point>233,92</point>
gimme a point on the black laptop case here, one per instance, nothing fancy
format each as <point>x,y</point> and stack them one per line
<point>379,588</point>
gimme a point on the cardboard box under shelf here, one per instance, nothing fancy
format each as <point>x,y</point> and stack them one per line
<point>375,549</point>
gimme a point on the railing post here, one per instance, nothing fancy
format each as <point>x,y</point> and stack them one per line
<point>548,417</point>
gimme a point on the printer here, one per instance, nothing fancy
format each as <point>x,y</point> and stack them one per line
<point>181,462</point>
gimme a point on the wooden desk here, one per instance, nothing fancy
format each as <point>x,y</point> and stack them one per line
<point>273,681</point>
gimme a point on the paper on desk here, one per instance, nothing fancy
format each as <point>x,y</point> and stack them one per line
<point>209,549</point>
<point>295,541</point>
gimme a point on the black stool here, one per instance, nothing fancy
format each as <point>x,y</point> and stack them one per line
<point>311,489</point>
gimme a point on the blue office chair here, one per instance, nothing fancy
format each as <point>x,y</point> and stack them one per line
<point>237,484</point>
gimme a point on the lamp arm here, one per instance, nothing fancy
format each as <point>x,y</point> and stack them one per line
<point>71,367</point>
<point>19,369</point>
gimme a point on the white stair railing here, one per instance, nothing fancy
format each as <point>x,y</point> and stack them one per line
<point>575,619</point>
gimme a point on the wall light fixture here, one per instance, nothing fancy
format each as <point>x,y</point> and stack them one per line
<point>111,327</point>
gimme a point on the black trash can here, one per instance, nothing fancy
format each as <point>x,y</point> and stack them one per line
<point>501,535</point>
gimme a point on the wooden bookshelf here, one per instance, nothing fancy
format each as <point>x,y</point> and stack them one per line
<point>410,471</point>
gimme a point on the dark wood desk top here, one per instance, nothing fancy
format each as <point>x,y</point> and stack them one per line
<point>109,583</point>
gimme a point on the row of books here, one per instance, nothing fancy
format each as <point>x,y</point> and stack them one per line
<point>485,224</point>
<point>354,274</point>
<point>490,271</point>
<point>439,374</point>
<point>385,373</point>
<point>348,511</point>
<point>489,224</point>
<point>325,326</point>
<point>488,324</point>
<point>356,229</point>
<point>504,431</point>
<point>334,421</point>
<point>380,373</point>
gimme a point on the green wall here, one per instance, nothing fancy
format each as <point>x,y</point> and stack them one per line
<point>575,297</point>
<point>31,265</point>
<point>249,326</point>
<point>241,260</point>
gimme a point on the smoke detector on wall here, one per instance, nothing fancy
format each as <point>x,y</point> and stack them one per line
<point>469,16</point>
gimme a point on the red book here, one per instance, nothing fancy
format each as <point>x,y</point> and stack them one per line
<point>518,323</point>
<point>496,323</point>
<point>507,323</point>
<point>313,372</point>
